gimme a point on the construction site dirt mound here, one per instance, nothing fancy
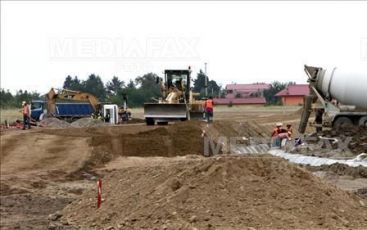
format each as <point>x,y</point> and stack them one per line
<point>247,133</point>
<point>53,122</point>
<point>179,139</point>
<point>347,142</point>
<point>217,193</point>
<point>87,122</point>
<point>183,138</point>
<point>342,170</point>
<point>240,129</point>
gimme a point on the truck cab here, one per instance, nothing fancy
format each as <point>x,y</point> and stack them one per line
<point>37,109</point>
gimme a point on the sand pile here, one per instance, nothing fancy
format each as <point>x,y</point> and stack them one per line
<point>53,122</point>
<point>217,193</point>
<point>87,122</point>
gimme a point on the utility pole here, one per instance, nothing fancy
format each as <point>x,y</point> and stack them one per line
<point>206,81</point>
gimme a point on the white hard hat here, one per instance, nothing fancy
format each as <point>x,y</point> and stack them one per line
<point>23,102</point>
<point>278,124</point>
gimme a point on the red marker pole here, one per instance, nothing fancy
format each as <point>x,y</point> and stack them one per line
<point>99,196</point>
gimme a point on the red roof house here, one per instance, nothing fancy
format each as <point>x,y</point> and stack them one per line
<point>243,94</point>
<point>246,90</point>
<point>294,94</point>
<point>240,101</point>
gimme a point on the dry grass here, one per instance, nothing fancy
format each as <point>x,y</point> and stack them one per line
<point>10,115</point>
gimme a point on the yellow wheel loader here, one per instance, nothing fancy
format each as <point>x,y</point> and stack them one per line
<point>177,102</point>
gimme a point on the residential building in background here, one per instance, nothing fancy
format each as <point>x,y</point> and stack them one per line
<point>243,94</point>
<point>294,94</point>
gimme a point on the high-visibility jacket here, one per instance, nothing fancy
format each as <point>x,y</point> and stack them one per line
<point>26,110</point>
<point>209,104</point>
<point>275,132</point>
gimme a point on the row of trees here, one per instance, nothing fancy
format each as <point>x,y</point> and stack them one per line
<point>8,100</point>
<point>140,90</point>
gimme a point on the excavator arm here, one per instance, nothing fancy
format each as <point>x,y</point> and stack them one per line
<point>66,94</point>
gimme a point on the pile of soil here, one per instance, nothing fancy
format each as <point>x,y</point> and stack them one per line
<point>87,122</point>
<point>179,139</point>
<point>341,170</point>
<point>246,133</point>
<point>239,129</point>
<point>351,142</point>
<point>53,122</point>
<point>217,193</point>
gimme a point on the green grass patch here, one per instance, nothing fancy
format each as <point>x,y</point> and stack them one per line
<point>10,115</point>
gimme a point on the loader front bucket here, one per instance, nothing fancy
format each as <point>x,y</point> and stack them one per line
<point>165,111</point>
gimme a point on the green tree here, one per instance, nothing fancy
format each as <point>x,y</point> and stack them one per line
<point>68,82</point>
<point>73,83</point>
<point>275,88</point>
<point>199,82</point>
<point>131,84</point>
<point>7,99</point>
<point>94,85</point>
<point>199,85</point>
<point>114,86</point>
<point>147,88</point>
<point>213,88</point>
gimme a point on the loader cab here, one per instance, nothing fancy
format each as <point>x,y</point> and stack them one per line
<point>179,79</point>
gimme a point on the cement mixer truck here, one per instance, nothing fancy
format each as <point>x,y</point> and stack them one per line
<point>339,98</point>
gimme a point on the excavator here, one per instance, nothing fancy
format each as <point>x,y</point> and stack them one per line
<point>177,102</point>
<point>71,105</point>
<point>70,95</point>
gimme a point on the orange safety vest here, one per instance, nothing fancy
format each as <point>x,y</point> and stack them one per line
<point>276,131</point>
<point>26,110</point>
<point>209,104</point>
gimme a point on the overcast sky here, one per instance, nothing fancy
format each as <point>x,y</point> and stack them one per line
<point>242,42</point>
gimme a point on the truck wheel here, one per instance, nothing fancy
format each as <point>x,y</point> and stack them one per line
<point>149,121</point>
<point>342,122</point>
<point>363,121</point>
<point>162,123</point>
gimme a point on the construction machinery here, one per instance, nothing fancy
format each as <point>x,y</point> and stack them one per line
<point>341,97</point>
<point>71,105</point>
<point>177,101</point>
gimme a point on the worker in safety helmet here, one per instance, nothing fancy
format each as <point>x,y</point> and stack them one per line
<point>277,129</point>
<point>276,141</point>
<point>26,115</point>
<point>208,106</point>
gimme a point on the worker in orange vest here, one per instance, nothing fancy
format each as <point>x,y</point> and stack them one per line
<point>26,115</point>
<point>277,129</point>
<point>275,134</point>
<point>208,106</point>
